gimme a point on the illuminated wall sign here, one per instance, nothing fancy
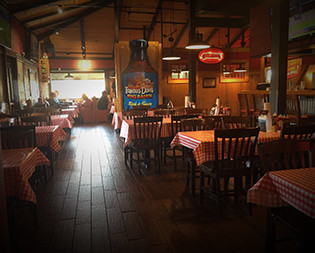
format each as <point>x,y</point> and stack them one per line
<point>211,56</point>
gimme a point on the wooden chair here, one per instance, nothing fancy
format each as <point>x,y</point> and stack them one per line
<point>198,111</point>
<point>197,124</point>
<point>244,106</point>
<point>258,103</point>
<point>234,150</point>
<point>165,113</point>
<point>180,110</point>
<point>230,122</point>
<point>147,132</point>
<point>36,120</point>
<point>21,137</point>
<point>141,107</point>
<point>298,132</point>
<point>175,128</point>
<point>133,114</point>
<point>286,154</point>
<point>161,106</point>
<point>217,120</point>
<point>194,124</point>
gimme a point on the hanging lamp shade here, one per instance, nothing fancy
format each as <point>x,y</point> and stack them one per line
<point>240,69</point>
<point>171,56</point>
<point>69,76</point>
<point>198,43</point>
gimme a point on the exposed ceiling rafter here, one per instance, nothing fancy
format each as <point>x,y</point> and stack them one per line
<point>154,19</point>
<point>75,19</point>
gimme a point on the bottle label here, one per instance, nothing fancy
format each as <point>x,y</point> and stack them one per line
<point>140,88</point>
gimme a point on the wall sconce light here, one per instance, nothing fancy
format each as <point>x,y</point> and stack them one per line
<point>198,43</point>
<point>240,68</point>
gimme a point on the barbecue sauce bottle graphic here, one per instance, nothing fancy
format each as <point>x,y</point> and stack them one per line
<point>139,80</point>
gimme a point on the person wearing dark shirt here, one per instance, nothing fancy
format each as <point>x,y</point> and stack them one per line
<point>102,103</point>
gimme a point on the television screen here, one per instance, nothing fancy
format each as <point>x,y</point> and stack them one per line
<point>5,30</point>
<point>302,24</point>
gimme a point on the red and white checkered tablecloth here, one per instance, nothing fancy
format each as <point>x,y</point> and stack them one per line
<point>71,111</point>
<point>279,188</point>
<point>127,130</point>
<point>18,166</point>
<point>63,120</point>
<point>202,143</point>
<point>49,136</point>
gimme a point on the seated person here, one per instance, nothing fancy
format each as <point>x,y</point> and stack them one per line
<point>53,100</point>
<point>102,103</point>
<point>87,103</point>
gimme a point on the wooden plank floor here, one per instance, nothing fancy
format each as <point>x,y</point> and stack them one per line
<point>93,203</point>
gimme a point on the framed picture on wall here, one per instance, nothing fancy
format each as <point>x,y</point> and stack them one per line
<point>209,82</point>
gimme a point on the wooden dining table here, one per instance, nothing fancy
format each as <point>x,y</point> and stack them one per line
<point>294,187</point>
<point>49,136</point>
<point>18,167</point>
<point>203,146</point>
<point>127,130</point>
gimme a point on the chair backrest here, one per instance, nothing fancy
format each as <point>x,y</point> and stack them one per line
<point>217,120</point>
<point>230,122</point>
<point>234,148</point>
<point>284,154</point>
<point>141,107</point>
<point>293,108</point>
<point>36,120</point>
<point>133,114</point>
<point>258,100</point>
<point>4,122</point>
<point>47,110</point>
<point>18,137</point>
<point>180,110</point>
<point>298,132</point>
<point>243,103</point>
<point>198,111</point>
<point>161,106</point>
<point>165,113</point>
<point>147,130</point>
<point>176,124</point>
<point>197,124</point>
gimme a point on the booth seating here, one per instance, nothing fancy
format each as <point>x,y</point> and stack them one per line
<point>93,115</point>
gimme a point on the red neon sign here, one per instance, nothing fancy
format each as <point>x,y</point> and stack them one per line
<point>211,56</point>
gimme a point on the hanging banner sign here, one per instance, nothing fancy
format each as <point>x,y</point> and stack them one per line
<point>211,56</point>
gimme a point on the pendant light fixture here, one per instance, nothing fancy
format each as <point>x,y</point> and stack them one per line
<point>69,77</point>
<point>240,68</point>
<point>198,43</point>
<point>171,56</point>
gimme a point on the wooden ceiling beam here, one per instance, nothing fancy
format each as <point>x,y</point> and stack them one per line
<point>211,35</point>
<point>237,36</point>
<point>61,21</point>
<point>23,8</point>
<point>73,20</point>
<point>154,19</point>
<point>67,9</point>
<point>221,22</point>
<point>180,36</point>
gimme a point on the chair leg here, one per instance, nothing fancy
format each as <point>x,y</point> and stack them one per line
<point>270,233</point>
<point>126,156</point>
<point>174,159</point>
<point>202,185</point>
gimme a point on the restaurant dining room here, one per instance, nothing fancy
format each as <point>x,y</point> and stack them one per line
<point>157,126</point>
